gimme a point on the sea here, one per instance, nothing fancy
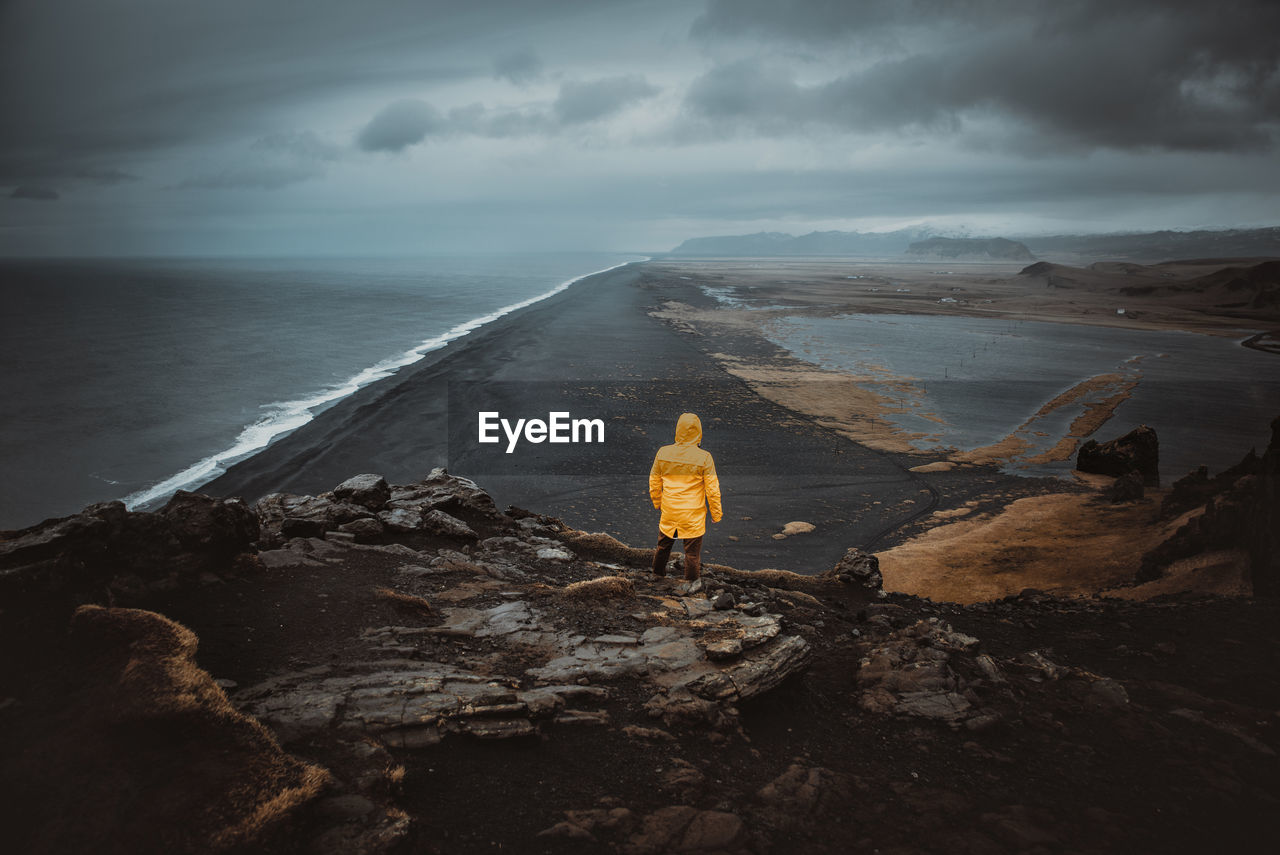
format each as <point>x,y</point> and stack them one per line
<point>131,379</point>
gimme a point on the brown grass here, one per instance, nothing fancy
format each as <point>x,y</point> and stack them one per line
<point>406,601</point>
<point>603,587</point>
<point>1064,543</point>
<point>149,754</point>
<point>602,547</point>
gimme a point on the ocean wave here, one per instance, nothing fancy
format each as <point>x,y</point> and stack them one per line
<point>284,416</point>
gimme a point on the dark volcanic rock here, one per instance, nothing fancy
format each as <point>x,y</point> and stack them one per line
<point>857,568</point>
<point>1126,488</point>
<point>214,526</point>
<point>1137,451</point>
<point>1241,511</point>
<point>106,550</point>
<point>370,491</point>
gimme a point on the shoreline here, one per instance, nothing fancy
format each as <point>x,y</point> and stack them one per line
<point>294,414</point>
<point>645,373</point>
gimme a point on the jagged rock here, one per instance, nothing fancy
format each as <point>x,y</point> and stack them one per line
<point>442,524</point>
<point>857,568</point>
<point>366,530</point>
<point>910,674</point>
<point>724,600</point>
<point>370,491</point>
<point>1241,512</point>
<point>768,666</point>
<point>272,510</point>
<point>1137,451</point>
<point>106,551</point>
<point>216,527</point>
<point>401,520</point>
<point>1126,488</point>
<point>442,490</point>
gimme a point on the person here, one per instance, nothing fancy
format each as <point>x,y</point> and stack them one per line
<point>682,484</point>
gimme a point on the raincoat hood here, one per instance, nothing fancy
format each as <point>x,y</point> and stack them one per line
<point>689,430</point>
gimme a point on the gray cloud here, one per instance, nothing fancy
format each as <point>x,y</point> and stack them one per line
<point>39,194</point>
<point>825,21</point>
<point>408,122</point>
<point>590,100</point>
<point>271,163</point>
<point>103,175</point>
<point>88,82</point>
<point>301,145</point>
<point>1148,74</point>
<point>800,110</point>
<point>400,124</point>
<point>254,176</point>
<point>520,67</point>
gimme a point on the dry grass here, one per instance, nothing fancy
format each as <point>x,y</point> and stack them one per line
<point>1068,544</point>
<point>406,601</point>
<point>781,579</point>
<point>603,547</point>
<point>602,588</point>
<point>217,781</point>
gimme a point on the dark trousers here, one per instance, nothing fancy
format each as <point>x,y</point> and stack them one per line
<point>692,555</point>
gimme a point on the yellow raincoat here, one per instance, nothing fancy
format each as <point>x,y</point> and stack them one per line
<point>683,482</point>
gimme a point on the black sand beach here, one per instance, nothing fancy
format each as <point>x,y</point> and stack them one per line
<point>594,351</point>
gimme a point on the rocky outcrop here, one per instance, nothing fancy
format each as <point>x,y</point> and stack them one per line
<point>149,756</point>
<point>1127,488</point>
<point>1137,451</point>
<point>106,553</point>
<point>1238,510</point>
<point>369,510</point>
<point>910,674</point>
<point>857,568</point>
<point>369,491</point>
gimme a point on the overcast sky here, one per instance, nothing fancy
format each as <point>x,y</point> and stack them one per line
<point>143,127</point>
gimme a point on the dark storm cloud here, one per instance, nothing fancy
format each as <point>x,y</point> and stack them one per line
<point>399,124</point>
<point>591,100</point>
<point>39,194</point>
<point>520,67</point>
<point>410,121</point>
<point>96,84</point>
<point>1147,74</point>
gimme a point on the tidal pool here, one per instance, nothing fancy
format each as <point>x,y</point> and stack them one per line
<point>966,383</point>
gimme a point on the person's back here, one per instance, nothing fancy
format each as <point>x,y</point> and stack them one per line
<point>682,483</point>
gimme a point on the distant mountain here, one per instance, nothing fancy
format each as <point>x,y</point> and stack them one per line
<point>1145,246</point>
<point>999,249</point>
<point>768,244</point>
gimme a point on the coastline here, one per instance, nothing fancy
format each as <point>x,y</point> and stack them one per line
<point>636,346</point>
<point>288,416</point>
<point>776,465</point>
